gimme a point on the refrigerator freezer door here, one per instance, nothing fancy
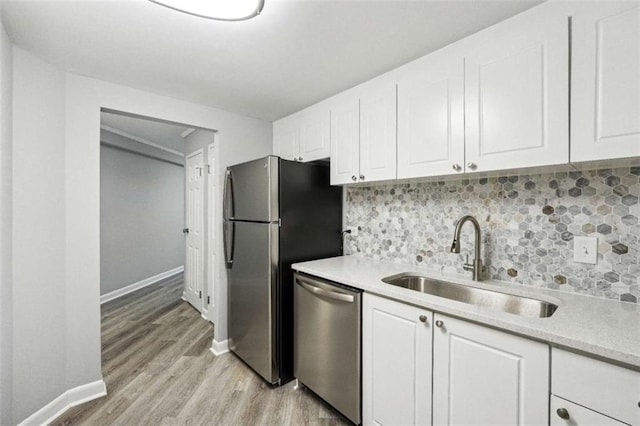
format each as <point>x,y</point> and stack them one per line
<point>252,191</point>
<point>252,297</point>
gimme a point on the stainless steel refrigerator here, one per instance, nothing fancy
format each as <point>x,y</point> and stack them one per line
<point>276,212</point>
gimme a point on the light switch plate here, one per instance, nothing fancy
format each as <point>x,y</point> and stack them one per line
<point>585,250</point>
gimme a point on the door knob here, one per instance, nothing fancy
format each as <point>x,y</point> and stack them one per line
<point>472,166</point>
<point>185,230</point>
<point>439,324</point>
<point>563,413</point>
<point>423,318</point>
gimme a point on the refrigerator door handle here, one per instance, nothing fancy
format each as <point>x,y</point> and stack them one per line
<point>227,196</point>
<point>228,243</point>
<point>308,284</point>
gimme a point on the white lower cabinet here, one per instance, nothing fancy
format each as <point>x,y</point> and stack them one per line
<point>396,363</point>
<point>421,368</point>
<point>598,391</point>
<point>566,413</point>
<point>485,376</point>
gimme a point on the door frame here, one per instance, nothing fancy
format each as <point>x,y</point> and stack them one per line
<point>213,192</point>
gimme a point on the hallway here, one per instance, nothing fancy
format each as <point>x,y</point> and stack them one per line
<point>159,370</point>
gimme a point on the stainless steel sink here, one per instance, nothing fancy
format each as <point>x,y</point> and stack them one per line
<point>518,305</point>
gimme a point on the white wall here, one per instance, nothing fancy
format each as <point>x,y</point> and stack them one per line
<point>6,297</point>
<point>141,217</point>
<point>38,234</point>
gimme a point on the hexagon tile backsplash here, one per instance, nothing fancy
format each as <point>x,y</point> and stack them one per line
<point>528,223</point>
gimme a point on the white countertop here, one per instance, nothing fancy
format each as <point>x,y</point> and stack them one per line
<point>601,327</point>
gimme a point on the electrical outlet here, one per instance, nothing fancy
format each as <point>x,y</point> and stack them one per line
<point>353,229</point>
<point>585,250</point>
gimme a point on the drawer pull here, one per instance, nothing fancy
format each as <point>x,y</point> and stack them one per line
<point>563,413</point>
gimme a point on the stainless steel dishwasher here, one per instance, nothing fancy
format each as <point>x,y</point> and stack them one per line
<point>327,342</point>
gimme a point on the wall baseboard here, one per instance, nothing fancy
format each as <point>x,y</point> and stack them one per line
<point>68,399</point>
<point>140,284</point>
<point>219,348</point>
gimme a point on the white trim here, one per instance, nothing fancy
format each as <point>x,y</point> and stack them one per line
<point>219,348</point>
<point>68,399</point>
<point>187,133</point>
<point>139,139</point>
<point>140,284</point>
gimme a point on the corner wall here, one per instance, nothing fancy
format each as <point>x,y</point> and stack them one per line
<point>6,291</point>
<point>39,304</point>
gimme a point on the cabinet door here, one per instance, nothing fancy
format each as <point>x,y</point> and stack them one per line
<point>516,93</point>
<point>285,139</point>
<point>378,133</point>
<point>484,376</point>
<point>314,135</point>
<point>577,415</point>
<point>605,81</point>
<point>345,142</point>
<point>396,363</point>
<point>431,116</point>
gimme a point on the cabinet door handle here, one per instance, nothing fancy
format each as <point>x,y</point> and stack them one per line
<point>299,158</point>
<point>472,166</point>
<point>361,177</point>
<point>457,167</point>
<point>354,178</point>
<point>563,413</point>
<point>423,318</point>
<point>439,323</point>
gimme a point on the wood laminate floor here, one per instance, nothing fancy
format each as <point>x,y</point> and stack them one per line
<point>159,370</point>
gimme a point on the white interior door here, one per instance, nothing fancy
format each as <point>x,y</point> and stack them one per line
<point>193,266</point>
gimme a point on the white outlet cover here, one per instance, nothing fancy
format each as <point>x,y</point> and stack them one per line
<point>585,250</point>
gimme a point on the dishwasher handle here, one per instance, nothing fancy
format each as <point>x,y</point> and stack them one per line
<point>311,285</point>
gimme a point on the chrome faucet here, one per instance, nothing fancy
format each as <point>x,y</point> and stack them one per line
<point>476,267</point>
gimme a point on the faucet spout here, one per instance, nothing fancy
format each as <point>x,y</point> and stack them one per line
<point>476,267</point>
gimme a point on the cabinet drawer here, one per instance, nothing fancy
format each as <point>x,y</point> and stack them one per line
<point>603,387</point>
<point>577,415</point>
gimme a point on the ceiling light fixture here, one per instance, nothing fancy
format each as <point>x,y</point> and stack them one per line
<point>221,10</point>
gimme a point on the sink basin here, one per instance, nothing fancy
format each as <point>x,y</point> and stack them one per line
<point>518,305</point>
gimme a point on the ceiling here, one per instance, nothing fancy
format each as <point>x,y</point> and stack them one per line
<point>161,133</point>
<point>294,54</point>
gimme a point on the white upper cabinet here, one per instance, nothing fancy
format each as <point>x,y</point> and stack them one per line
<point>345,141</point>
<point>303,136</point>
<point>605,84</point>
<point>378,132</point>
<point>285,139</point>
<point>431,116</point>
<point>482,376</point>
<point>363,133</point>
<point>517,92</point>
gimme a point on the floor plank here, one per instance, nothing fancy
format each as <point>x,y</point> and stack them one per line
<point>159,371</point>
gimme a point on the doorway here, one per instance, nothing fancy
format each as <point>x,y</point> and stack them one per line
<point>157,207</point>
